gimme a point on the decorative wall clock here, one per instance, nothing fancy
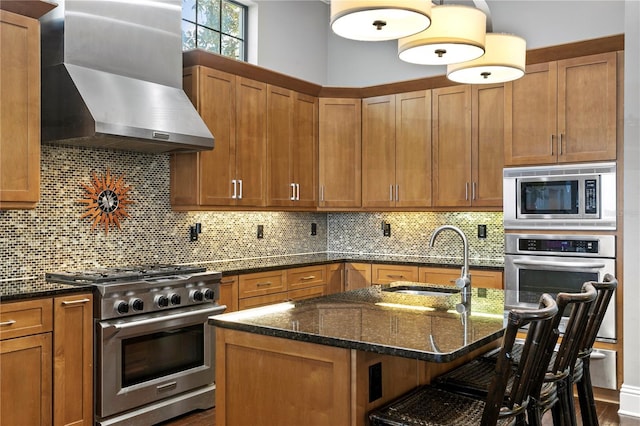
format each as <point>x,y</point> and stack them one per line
<point>107,201</point>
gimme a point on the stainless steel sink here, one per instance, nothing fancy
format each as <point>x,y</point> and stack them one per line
<point>422,290</point>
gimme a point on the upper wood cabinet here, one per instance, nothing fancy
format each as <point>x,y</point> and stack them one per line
<point>234,173</point>
<point>20,106</point>
<point>396,150</point>
<point>292,146</point>
<point>562,111</point>
<point>468,127</point>
<point>340,153</point>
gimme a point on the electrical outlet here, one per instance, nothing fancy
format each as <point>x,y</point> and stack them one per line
<point>314,229</point>
<point>482,231</point>
<point>260,231</point>
<point>386,229</point>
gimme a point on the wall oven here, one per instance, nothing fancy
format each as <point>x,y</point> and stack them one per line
<point>549,263</point>
<point>569,196</point>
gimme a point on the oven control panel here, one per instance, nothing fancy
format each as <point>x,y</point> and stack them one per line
<point>558,245</point>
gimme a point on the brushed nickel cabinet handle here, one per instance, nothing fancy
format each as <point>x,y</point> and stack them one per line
<point>293,191</point>
<point>390,192</point>
<point>394,276</point>
<point>560,144</point>
<point>310,277</point>
<point>466,191</point>
<point>473,191</point>
<point>268,283</point>
<point>75,302</point>
<point>397,192</point>
<point>6,323</point>
<point>240,196</point>
<point>227,282</point>
<point>297,192</point>
<point>235,189</point>
<point>551,141</point>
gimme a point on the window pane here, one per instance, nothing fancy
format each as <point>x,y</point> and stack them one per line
<point>232,19</point>
<point>232,47</point>
<point>208,40</point>
<point>189,10</point>
<point>188,36</point>
<point>209,13</point>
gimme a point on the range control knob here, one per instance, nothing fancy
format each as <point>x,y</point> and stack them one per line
<point>197,296</point>
<point>175,299</point>
<point>137,304</point>
<point>122,307</point>
<point>209,294</point>
<point>162,301</point>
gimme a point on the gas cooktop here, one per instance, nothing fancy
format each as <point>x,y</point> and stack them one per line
<point>121,274</point>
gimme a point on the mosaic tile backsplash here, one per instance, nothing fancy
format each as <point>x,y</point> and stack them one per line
<point>53,237</point>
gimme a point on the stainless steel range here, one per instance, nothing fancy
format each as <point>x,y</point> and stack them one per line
<point>154,352</point>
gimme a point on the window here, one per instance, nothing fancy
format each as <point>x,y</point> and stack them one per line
<point>218,26</point>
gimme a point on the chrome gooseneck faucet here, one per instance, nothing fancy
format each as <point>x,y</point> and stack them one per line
<point>464,282</point>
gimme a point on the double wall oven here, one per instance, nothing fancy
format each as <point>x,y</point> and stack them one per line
<point>154,351</point>
<point>560,224</point>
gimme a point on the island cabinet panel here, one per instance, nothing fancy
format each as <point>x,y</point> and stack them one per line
<point>292,145</point>
<point>385,274</point>
<point>73,360</point>
<point>20,106</point>
<point>340,157</point>
<point>266,381</point>
<point>229,293</point>
<point>396,150</point>
<point>563,111</point>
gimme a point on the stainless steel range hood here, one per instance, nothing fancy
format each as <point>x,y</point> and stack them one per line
<point>112,77</point>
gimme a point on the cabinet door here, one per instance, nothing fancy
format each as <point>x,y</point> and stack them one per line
<point>487,145</point>
<point>452,146</point>
<point>279,140</point>
<point>335,278</point>
<point>229,293</point>
<point>304,149</point>
<point>413,149</point>
<point>340,153</point>
<point>530,117</point>
<point>251,150</point>
<point>305,277</point>
<point>357,275</point>
<point>587,104</point>
<point>20,106</point>
<point>73,360</point>
<point>379,151</point>
<point>25,382</point>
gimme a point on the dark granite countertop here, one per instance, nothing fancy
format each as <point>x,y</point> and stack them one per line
<point>429,328</point>
<point>262,264</point>
<point>32,288</point>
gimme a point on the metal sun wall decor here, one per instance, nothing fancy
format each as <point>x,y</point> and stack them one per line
<point>107,198</point>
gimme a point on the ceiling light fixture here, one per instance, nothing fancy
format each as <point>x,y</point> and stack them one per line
<point>378,20</point>
<point>504,60</point>
<point>456,34</point>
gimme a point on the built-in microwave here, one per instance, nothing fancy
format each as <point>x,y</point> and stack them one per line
<point>570,196</point>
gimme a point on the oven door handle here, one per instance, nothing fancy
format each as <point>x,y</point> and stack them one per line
<point>563,264</point>
<point>112,329</point>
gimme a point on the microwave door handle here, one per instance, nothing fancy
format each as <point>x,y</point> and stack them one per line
<point>577,265</point>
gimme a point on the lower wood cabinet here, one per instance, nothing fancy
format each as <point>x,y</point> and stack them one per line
<point>229,293</point>
<point>357,275</point>
<point>46,361</point>
<point>482,278</point>
<point>385,274</point>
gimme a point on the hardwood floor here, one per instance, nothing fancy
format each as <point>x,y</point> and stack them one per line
<point>607,416</point>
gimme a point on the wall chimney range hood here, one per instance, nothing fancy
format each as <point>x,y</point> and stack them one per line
<point>112,78</point>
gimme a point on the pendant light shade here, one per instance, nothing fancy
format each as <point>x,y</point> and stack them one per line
<point>456,34</point>
<point>378,20</point>
<point>504,60</point>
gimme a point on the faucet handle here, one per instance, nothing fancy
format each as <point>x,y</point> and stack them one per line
<point>463,282</point>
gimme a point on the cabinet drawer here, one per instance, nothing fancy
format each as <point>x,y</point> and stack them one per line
<point>385,274</point>
<point>309,276</point>
<point>486,279</point>
<point>23,318</point>
<point>262,283</point>
<point>443,276</point>
<point>269,299</point>
<point>307,293</point>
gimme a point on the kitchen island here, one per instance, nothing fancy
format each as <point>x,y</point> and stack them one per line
<point>332,359</point>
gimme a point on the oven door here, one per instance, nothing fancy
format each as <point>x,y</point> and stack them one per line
<point>147,358</point>
<point>527,277</point>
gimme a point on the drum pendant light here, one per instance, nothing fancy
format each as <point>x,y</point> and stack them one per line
<point>456,34</point>
<point>504,60</point>
<point>378,20</point>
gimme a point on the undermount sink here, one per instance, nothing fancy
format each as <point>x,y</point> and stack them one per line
<point>422,290</point>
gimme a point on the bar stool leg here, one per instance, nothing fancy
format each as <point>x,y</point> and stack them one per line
<point>585,396</point>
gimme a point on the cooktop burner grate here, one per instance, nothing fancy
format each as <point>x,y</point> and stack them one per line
<point>121,274</point>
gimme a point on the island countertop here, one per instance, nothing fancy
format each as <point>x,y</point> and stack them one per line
<point>429,328</point>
